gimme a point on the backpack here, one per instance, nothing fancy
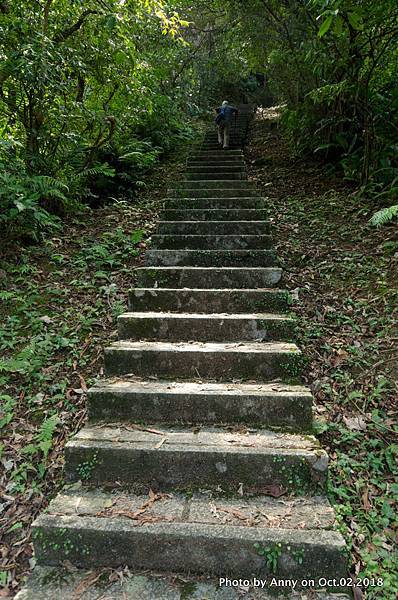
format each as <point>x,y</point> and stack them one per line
<point>220,118</point>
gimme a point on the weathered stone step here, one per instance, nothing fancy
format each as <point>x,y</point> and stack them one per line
<point>219,153</point>
<point>160,458</point>
<point>49,583</point>
<point>213,227</point>
<point>220,361</point>
<point>216,158</point>
<point>215,214</point>
<point>208,146</point>
<point>185,327</point>
<point>215,183</point>
<point>215,168</point>
<point>224,203</point>
<point>222,175</point>
<point>208,301</point>
<point>218,164</point>
<point>234,136</point>
<point>211,258</point>
<point>210,277</point>
<point>202,534</point>
<point>222,242</point>
<point>227,192</point>
<point>271,405</point>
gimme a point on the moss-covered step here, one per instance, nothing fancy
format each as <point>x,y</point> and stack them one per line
<point>224,203</point>
<point>143,401</point>
<point>213,227</point>
<point>211,258</point>
<point>208,277</point>
<point>216,158</point>
<point>184,327</point>
<point>214,214</point>
<point>220,361</point>
<point>236,175</point>
<point>216,168</point>
<point>221,242</point>
<point>211,192</point>
<point>157,457</point>
<point>215,183</point>
<point>56,583</point>
<point>218,163</point>
<point>209,301</point>
<point>170,532</point>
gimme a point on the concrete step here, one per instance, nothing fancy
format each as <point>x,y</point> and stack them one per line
<point>201,534</point>
<point>215,168</point>
<point>208,301</point>
<point>227,192</point>
<point>215,176</point>
<point>163,458</point>
<point>211,258</point>
<point>50,583</point>
<point>219,361</point>
<point>218,164</point>
<point>208,278</point>
<point>236,175</point>
<point>135,400</point>
<point>222,242</point>
<point>222,154</point>
<point>208,146</point>
<point>216,158</point>
<point>185,327</point>
<point>215,214</point>
<point>223,203</point>
<point>213,228</point>
<point>215,183</point>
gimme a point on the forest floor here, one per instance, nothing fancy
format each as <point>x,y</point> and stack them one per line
<point>59,305</point>
<point>343,275</point>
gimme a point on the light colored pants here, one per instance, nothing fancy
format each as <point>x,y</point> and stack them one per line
<point>223,134</point>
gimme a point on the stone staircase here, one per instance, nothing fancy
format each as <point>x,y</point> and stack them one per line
<point>197,456</point>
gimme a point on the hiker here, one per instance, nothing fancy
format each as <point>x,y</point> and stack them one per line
<point>225,112</point>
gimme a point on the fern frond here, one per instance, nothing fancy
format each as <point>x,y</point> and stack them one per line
<point>385,215</point>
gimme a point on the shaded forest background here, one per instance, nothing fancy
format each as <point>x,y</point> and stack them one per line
<point>93,93</point>
<point>99,101</point>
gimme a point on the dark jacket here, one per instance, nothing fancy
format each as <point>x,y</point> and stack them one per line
<point>229,112</point>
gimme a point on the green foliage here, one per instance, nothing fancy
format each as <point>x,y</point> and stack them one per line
<point>385,215</point>
<point>89,100</point>
<point>334,65</point>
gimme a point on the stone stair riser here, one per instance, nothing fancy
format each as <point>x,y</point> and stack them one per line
<point>211,258</point>
<point>209,301</point>
<point>91,543</point>
<point>207,278</point>
<point>293,412</point>
<point>216,242</point>
<point>217,203</point>
<point>216,164</point>
<point>216,214</point>
<point>211,364</point>
<point>180,329</point>
<point>195,176</point>
<point>190,468</point>
<point>215,168</point>
<point>219,183</point>
<point>213,228</point>
<point>230,192</point>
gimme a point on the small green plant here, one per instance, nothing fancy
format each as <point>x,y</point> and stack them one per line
<point>271,555</point>
<point>86,468</point>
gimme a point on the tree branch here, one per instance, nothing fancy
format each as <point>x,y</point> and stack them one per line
<point>63,35</point>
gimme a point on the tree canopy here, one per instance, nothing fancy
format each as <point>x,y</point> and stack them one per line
<point>96,91</point>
